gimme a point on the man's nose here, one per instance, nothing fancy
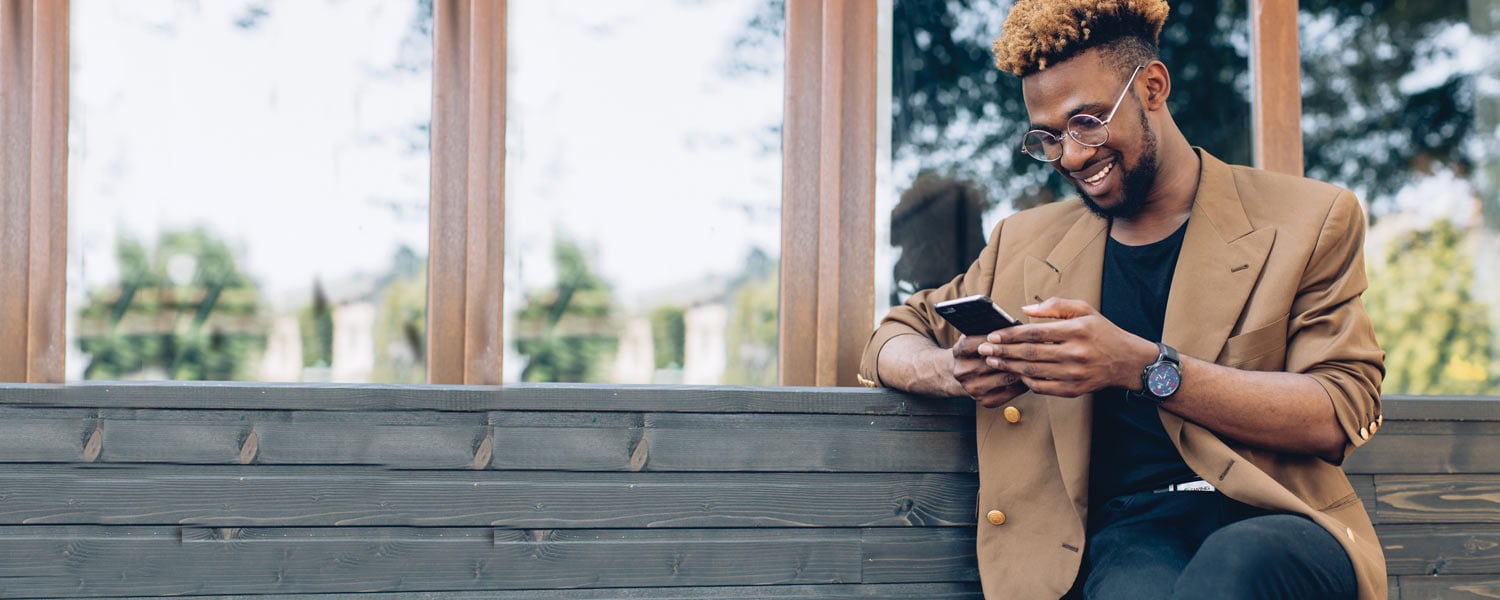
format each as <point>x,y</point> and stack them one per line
<point>1075,156</point>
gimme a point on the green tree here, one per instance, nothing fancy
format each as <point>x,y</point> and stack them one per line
<point>668,336</point>
<point>1436,336</point>
<point>755,297</point>
<point>181,310</point>
<point>401,323</point>
<point>316,324</point>
<point>568,333</point>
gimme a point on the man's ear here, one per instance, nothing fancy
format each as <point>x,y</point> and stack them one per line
<point>1158,83</point>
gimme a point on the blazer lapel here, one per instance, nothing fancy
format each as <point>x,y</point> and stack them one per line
<point>1073,269</point>
<point>1222,257</point>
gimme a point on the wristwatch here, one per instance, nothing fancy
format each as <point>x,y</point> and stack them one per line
<point>1161,378</point>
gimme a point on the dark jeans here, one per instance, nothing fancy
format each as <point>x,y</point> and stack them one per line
<point>1205,545</point>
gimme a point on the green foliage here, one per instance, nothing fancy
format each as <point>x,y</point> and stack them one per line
<point>752,329</point>
<point>401,323</point>
<point>568,332</point>
<point>316,324</point>
<point>182,310</point>
<point>1364,119</point>
<point>668,335</point>
<point>1436,336</point>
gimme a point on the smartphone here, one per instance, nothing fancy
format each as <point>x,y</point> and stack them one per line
<point>975,315</point>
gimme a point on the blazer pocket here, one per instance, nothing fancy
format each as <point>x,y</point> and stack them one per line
<point>1262,349</point>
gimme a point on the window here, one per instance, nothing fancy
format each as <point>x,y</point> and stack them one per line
<point>1400,105</point>
<point>248,190</point>
<point>643,176</point>
<point>955,167</point>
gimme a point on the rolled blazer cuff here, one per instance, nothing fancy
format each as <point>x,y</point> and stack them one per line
<point>869,372</point>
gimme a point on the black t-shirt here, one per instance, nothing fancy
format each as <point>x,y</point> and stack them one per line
<point>1130,451</point>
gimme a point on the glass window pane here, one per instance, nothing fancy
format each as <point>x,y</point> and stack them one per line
<point>1401,103</point>
<point>643,190</point>
<point>955,125</point>
<point>248,185</point>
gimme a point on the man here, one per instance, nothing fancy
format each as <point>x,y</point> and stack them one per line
<point>1194,360</point>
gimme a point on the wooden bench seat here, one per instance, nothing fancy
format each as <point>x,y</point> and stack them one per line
<point>586,491</point>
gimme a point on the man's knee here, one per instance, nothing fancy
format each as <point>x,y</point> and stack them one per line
<point>1283,556</point>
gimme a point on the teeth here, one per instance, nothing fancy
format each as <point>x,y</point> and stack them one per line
<point>1101,174</point>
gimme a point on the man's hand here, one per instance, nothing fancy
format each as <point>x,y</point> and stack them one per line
<point>1079,353</point>
<point>988,385</point>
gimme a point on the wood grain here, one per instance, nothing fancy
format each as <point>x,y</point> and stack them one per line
<point>232,496</point>
<point>460,398</point>
<point>85,560</point>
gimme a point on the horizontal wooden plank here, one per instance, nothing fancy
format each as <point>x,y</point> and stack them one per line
<point>1418,587</point>
<point>1440,408</point>
<point>530,397</point>
<point>1436,499</point>
<point>321,496</point>
<point>45,435</point>
<point>501,440</point>
<point>925,591</point>
<point>49,561</point>
<point>1429,447</point>
<point>898,555</point>
<point>1440,549</point>
<point>683,442</point>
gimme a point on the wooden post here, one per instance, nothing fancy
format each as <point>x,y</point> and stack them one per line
<point>33,188</point>
<point>1276,89</point>
<point>466,256</point>
<point>828,190</point>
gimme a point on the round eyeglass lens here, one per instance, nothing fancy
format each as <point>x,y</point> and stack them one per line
<point>1088,130</point>
<point>1041,145</point>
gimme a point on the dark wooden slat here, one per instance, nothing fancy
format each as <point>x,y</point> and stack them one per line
<point>1447,588</point>
<point>1464,549</point>
<point>925,591</point>
<point>281,496</point>
<point>1422,447</point>
<point>45,435</point>
<point>516,440</point>
<point>900,554</point>
<point>90,561</point>
<point>676,442</point>
<point>1437,499</point>
<point>1441,408</point>
<point>533,397</point>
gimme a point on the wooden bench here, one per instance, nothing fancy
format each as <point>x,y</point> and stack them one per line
<point>582,491</point>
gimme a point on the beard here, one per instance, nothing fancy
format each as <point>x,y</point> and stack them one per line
<point>1137,181</point>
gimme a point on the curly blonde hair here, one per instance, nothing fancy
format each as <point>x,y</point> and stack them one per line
<point>1042,32</point>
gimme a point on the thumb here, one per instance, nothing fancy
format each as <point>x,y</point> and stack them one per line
<point>1058,308</point>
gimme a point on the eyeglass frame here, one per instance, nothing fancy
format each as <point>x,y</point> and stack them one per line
<point>1068,131</point>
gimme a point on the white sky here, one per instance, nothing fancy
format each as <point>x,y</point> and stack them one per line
<point>626,133</point>
<point>287,140</point>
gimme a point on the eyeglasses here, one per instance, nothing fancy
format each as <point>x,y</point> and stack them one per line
<point>1087,130</point>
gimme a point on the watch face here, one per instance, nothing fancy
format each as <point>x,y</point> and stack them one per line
<point>1163,380</point>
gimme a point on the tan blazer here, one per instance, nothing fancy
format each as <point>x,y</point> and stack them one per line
<point>1269,278</point>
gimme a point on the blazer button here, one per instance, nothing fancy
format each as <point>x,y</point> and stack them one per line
<point>1013,414</point>
<point>996,517</point>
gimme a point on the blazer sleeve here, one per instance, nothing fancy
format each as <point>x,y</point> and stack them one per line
<point>1330,337</point>
<point>917,316</point>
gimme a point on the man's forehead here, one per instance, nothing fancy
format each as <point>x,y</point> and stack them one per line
<point>1057,93</point>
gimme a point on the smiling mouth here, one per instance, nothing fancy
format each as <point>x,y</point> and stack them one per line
<point>1098,177</point>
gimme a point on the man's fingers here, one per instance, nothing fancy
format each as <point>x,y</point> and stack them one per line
<point>1058,308</point>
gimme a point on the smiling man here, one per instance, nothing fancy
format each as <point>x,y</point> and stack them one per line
<point>1194,361</point>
